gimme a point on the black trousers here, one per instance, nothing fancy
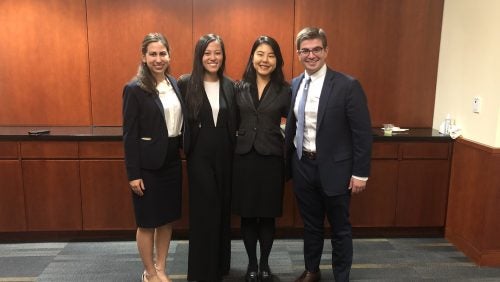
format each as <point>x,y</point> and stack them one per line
<point>314,204</point>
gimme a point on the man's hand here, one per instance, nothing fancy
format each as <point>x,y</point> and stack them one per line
<point>357,185</point>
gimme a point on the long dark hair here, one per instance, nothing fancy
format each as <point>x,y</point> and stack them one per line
<point>144,77</point>
<point>195,88</point>
<point>277,76</point>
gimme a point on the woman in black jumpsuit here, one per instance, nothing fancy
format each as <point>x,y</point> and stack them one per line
<point>208,144</point>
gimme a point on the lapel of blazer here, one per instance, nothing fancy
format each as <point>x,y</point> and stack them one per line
<point>246,96</point>
<point>326,94</point>
<point>159,105</point>
<point>226,89</point>
<point>291,120</point>
<point>176,88</point>
<point>295,89</point>
<point>271,95</point>
<point>181,101</point>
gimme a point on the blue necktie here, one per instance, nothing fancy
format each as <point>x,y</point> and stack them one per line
<point>301,119</point>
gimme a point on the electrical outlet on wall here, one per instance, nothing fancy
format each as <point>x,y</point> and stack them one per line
<point>476,105</point>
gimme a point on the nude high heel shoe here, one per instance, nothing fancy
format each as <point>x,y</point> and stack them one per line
<point>150,277</point>
<point>161,274</point>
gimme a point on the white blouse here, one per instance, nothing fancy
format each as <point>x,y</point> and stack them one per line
<point>212,89</point>
<point>171,107</point>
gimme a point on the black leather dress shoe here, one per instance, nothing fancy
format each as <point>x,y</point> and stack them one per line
<point>251,276</point>
<point>265,276</point>
<point>308,276</point>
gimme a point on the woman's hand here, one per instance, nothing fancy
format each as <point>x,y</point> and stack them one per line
<point>137,186</point>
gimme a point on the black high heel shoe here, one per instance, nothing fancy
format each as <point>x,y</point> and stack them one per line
<point>265,275</point>
<point>251,276</point>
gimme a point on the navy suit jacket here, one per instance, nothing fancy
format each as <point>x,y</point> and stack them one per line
<point>343,133</point>
<point>145,134</point>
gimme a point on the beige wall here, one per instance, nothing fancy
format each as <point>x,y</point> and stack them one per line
<point>498,130</point>
<point>469,65</point>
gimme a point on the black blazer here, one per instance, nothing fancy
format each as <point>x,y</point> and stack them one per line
<point>193,126</point>
<point>260,127</point>
<point>343,131</point>
<point>145,134</point>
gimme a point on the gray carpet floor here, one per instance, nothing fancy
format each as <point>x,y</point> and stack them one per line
<point>394,259</point>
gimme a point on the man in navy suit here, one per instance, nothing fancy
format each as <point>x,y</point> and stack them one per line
<point>328,142</point>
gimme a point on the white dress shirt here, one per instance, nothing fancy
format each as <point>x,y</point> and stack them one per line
<point>171,108</point>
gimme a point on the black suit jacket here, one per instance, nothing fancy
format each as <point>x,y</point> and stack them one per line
<point>145,134</point>
<point>343,131</point>
<point>260,127</point>
<point>193,126</point>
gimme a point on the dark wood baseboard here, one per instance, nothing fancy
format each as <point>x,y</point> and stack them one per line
<point>281,233</point>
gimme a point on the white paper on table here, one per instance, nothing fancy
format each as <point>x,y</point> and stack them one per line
<point>397,129</point>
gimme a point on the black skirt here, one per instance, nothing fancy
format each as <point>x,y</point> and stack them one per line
<point>258,182</point>
<point>161,202</point>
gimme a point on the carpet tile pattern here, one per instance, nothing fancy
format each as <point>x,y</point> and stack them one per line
<point>393,259</point>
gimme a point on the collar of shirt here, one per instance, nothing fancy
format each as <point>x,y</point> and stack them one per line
<point>317,75</point>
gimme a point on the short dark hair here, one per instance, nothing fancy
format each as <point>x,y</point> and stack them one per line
<point>311,33</point>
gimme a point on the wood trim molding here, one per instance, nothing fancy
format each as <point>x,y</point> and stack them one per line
<point>478,145</point>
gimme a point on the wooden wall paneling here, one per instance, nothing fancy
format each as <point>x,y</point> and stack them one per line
<point>490,243</point>
<point>240,22</point>
<point>425,150</point>
<point>49,149</point>
<point>376,206</point>
<point>472,222</point>
<point>385,150</point>
<point>422,193</point>
<point>9,150</point>
<point>106,196</point>
<point>44,78</point>
<point>52,195</point>
<point>115,31</point>
<point>100,150</point>
<point>465,217</point>
<point>12,209</point>
<point>391,46</point>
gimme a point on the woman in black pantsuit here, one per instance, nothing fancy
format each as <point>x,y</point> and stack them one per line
<point>208,146</point>
<point>152,123</point>
<point>263,98</point>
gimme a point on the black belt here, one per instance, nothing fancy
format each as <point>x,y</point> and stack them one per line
<point>309,155</point>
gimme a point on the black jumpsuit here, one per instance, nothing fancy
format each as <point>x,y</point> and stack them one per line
<point>209,174</point>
